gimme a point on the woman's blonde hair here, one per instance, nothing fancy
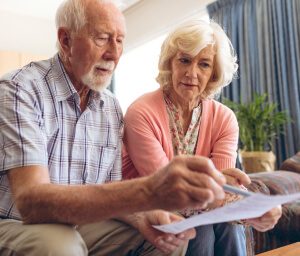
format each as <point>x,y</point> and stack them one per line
<point>191,38</point>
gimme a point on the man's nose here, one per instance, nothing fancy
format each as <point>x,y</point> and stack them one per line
<point>113,51</point>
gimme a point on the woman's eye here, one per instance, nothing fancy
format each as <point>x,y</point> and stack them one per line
<point>184,60</point>
<point>204,64</point>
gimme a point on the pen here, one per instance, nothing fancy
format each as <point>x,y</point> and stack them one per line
<point>235,190</point>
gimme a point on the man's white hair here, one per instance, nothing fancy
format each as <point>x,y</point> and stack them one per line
<point>71,15</point>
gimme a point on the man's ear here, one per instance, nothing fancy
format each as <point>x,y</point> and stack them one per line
<point>64,39</point>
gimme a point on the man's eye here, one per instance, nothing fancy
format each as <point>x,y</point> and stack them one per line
<point>100,41</point>
<point>120,40</point>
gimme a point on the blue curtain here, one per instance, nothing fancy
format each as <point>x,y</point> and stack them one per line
<point>265,35</point>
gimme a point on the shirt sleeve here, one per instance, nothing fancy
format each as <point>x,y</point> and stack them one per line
<point>144,142</point>
<point>22,140</point>
<point>224,150</point>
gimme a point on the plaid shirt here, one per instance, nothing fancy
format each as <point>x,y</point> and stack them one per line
<point>41,124</point>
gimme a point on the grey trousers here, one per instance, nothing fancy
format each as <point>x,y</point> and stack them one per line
<point>223,239</point>
<point>104,238</point>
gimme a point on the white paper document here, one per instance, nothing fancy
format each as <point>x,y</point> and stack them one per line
<point>252,206</point>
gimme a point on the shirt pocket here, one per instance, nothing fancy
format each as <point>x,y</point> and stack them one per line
<point>101,161</point>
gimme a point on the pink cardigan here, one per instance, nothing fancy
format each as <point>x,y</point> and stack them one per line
<point>148,144</point>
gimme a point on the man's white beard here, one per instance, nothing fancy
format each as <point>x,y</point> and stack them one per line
<point>97,83</point>
<point>89,80</point>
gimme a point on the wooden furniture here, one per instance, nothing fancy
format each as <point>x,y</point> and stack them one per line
<point>288,250</point>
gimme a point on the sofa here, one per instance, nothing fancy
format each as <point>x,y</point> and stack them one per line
<point>283,181</point>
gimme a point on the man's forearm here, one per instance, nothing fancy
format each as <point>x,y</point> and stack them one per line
<point>49,203</point>
<point>187,181</point>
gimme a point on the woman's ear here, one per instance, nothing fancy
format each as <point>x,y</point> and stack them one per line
<point>64,39</point>
<point>214,75</point>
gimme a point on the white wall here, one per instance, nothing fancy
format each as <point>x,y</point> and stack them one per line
<point>149,19</point>
<point>145,20</point>
<point>27,34</point>
<point>136,72</point>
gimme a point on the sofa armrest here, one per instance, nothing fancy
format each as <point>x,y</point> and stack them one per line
<point>278,182</point>
<point>257,185</point>
<point>287,229</point>
<point>292,164</point>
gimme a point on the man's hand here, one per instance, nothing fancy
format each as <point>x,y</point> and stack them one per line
<point>165,242</point>
<point>266,221</point>
<point>187,181</point>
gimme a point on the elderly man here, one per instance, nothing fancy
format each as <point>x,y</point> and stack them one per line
<point>60,141</point>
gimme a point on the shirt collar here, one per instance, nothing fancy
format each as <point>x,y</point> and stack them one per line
<point>65,89</point>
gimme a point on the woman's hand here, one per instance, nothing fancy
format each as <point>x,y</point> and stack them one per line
<point>266,221</point>
<point>236,177</point>
<point>165,242</point>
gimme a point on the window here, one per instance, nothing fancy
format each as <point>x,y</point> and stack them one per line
<point>136,72</point>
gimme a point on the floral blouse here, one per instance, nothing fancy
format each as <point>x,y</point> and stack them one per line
<point>183,143</point>
<point>186,144</point>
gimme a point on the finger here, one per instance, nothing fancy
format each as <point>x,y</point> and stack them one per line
<point>263,228</point>
<point>270,217</point>
<point>187,235</point>
<point>206,186</point>
<point>172,240</point>
<point>231,181</point>
<point>179,239</point>
<point>260,224</point>
<point>168,217</point>
<point>201,196</point>
<point>204,165</point>
<point>165,246</point>
<point>164,217</point>
<point>168,242</point>
<point>241,177</point>
<point>175,217</point>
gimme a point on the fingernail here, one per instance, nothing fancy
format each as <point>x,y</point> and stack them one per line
<point>169,239</point>
<point>211,163</point>
<point>222,177</point>
<point>181,236</point>
<point>160,242</point>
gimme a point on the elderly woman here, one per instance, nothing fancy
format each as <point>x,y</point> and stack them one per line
<point>181,117</point>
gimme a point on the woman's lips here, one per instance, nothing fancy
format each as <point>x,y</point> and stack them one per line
<point>188,85</point>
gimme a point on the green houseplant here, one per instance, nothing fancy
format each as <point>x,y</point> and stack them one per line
<point>260,124</point>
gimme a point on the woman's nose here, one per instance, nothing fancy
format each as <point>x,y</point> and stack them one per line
<point>191,71</point>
